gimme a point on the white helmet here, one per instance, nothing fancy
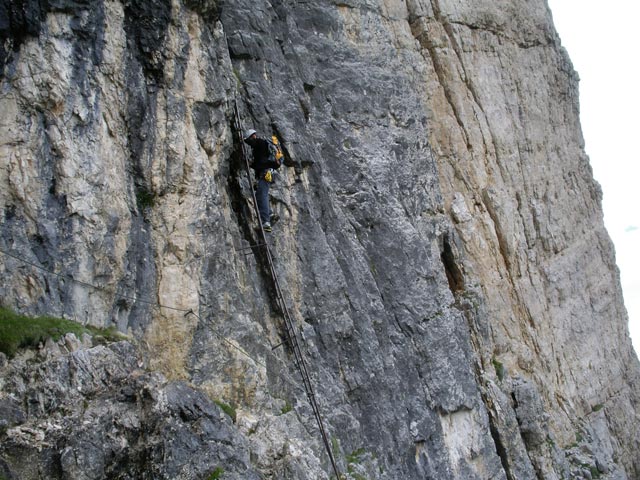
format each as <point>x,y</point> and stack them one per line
<point>248,133</point>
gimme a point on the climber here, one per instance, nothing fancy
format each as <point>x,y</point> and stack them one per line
<point>264,165</point>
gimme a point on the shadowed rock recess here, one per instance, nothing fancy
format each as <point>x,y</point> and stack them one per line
<point>441,246</point>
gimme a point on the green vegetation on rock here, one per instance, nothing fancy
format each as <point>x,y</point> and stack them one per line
<point>226,408</point>
<point>216,474</point>
<point>21,331</point>
<point>286,409</point>
<point>499,367</point>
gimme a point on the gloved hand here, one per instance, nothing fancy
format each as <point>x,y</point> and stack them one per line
<point>268,176</point>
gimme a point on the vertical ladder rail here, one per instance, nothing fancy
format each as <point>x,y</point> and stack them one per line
<point>288,319</point>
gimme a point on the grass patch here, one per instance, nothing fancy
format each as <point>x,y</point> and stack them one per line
<point>286,409</point>
<point>499,367</point>
<point>236,74</point>
<point>550,442</point>
<point>354,457</point>
<point>373,269</point>
<point>335,446</point>
<point>226,408</point>
<point>216,474</point>
<point>21,331</point>
<point>598,407</point>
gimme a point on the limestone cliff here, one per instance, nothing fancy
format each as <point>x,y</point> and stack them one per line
<point>441,244</point>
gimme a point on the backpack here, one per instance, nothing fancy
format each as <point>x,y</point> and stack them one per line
<point>275,151</point>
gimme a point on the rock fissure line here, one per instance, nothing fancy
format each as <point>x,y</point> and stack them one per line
<point>500,448</point>
<point>449,95</point>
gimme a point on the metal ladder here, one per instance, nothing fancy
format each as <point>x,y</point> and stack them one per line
<point>292,337</point>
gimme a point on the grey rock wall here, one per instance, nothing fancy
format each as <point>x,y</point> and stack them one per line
<point>441,243</point>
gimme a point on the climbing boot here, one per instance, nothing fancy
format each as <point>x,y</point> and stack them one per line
<point>274,218</point>
<point>266,227</point>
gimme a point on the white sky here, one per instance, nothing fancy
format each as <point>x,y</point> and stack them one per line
<point>602,41</point>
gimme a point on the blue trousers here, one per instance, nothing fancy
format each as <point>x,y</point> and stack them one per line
<point>262,196</point>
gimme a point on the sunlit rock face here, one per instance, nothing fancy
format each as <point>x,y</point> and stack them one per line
<point>440,244</point>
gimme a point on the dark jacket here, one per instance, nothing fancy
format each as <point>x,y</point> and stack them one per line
<point>262,159</point>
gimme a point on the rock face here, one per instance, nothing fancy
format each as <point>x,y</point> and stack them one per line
<point>441,243</point>
<point>93,413</point>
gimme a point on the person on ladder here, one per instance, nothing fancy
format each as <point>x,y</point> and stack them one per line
<point>264,164</point>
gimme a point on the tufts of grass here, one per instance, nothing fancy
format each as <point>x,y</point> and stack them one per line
<point>286,409</point>
<point>236,74</point>
<point>499,367</point>
<point>354,457</point>
<point>226,408</point>
<point>216,474</point>
<point>335,446</point>
<point>21,331</point>
<point>550,442</point>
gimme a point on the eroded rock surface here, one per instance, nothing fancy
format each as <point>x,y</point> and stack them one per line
<point>93,413</point>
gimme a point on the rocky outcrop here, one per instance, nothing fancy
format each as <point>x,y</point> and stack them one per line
<point>441,242</point>
<point>93,413</point>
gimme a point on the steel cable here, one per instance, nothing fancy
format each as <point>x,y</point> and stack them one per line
<point>290,329</point>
